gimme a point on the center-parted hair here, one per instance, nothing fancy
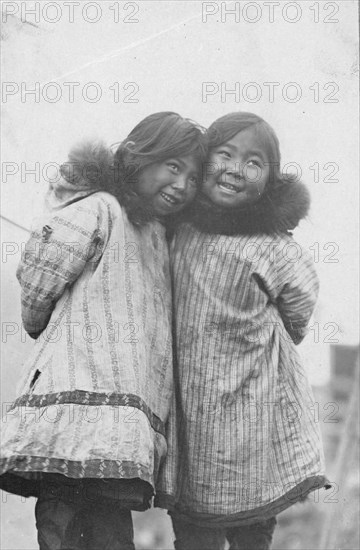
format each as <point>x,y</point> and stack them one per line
<point>284,202</point>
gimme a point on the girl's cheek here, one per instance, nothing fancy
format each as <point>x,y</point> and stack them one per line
<point>217,160</point>
<point>212,167</point>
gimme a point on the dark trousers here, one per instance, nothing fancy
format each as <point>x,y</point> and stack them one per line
<point>80,525</point>
<point>250,537</point>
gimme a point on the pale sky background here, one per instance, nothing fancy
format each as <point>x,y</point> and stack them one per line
<point>168,50</point>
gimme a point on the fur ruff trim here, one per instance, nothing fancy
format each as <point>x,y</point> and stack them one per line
<point>91,167</point>
<point>279,210</point>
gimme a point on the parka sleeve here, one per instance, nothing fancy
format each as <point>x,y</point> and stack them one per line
<point>294,287</point>
<point>53,258</point>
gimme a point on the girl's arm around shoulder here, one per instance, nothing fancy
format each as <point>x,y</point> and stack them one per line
<point>56,255</point>
<point>294,285</point>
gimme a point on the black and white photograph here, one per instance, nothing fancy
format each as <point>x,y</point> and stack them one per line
<point>179,275</point>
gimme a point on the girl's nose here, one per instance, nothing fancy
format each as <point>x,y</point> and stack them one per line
<point>179,183</point>
<point>235,171</point>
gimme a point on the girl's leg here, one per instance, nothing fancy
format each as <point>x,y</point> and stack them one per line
<point>192,537</point>
<point>59,524</point>
<point>252,537</point>
<point>108,527</point>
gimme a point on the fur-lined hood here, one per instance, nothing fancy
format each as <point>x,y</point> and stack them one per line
<point>88,170</point>
<point>91,167</point>
<point>279,210</point>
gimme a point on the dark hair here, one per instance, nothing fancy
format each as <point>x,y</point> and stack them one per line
<point>161,136</point>
<point>227,126</point>
<point>156,138</point>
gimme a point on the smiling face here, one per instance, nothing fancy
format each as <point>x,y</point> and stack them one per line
<point>237,171</point>
<point>169,185</point>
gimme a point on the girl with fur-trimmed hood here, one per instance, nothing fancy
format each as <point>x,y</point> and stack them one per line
<point>242,442</point>
<point>86,434</point>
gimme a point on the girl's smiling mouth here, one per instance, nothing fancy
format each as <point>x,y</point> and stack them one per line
<point>171,200</point>
<point>228,187</point>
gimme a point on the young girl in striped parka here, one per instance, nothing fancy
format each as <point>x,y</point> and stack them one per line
<point>86,434</point>
<point>242,442</point>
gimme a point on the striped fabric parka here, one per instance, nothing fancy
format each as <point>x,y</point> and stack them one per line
<point>243,443</point>
<point>97,385</point>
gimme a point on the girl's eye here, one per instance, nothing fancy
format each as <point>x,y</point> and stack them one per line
<point>223,153</point>
<point>193,180</point>
<point>173,166</point>
<point>254,162</point>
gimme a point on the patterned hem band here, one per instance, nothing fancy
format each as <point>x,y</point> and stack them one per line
<point>23,471</point>
<point>81,397</point>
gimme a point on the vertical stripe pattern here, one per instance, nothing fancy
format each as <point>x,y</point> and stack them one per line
<point>103,360</point>
<point>241,433</point>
